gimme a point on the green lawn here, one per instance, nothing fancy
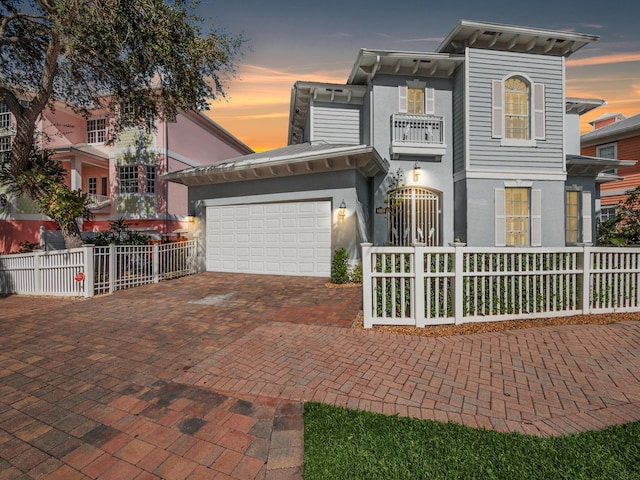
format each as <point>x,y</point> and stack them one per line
<point>345,444</point>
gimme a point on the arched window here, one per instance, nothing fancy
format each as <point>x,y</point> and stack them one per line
<point>414,217</point>
<point>518,111</point>
<point>517,118</point>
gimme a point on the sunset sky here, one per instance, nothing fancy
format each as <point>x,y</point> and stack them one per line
<point>289,41</point>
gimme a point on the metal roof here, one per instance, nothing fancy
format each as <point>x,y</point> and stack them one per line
<point>511,38</point>
<point>298,159</point>
<point>614,131</point>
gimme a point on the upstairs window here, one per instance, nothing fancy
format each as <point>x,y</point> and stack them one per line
<point>518,111</point>
<point>128,178</point>
<point>151,179</point>
<point>5,144</point>
<point>415,99</point>
<point>5,116</point>
<point>96,130</point>
<point>516,115</point>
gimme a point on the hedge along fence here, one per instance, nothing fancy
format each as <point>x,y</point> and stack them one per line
<point>464,284</point>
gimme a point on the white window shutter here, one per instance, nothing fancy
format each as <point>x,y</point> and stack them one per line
<point>429,101</point>
<point>539,126</point>
<point>536,218</point>
<point>497,116</point>
<point>403,106</point>
<point>586,217</point>
<point>500,225</point>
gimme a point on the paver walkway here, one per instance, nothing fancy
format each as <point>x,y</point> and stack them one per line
<point>204,377</point>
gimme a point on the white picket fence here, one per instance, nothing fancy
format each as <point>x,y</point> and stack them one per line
<point>91,270</point>
<point>422,286</point>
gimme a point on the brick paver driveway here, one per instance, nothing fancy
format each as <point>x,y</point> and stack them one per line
<point>203,377</point>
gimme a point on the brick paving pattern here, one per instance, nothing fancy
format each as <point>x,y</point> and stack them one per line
<point>205,377</point>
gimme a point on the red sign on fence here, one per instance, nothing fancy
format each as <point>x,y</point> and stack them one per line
<point>79,277</point>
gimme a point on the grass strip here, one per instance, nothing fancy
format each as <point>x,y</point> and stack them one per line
<point>340,443</point>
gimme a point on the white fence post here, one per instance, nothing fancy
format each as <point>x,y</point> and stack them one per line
<point>417,297</point>
<point>89,274</point>
<point>112,268</point>
<point>367,301</point>
<point>458,285</point>
<point>37,273</point>
<point>155,263</point>
<point>586,279</point>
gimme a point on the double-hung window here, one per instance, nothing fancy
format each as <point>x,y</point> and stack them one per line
<point>128,178</point>
<point>572,216</point>
<point>5,128</point>
<point>518,215</point>
<point>96,130</point>
<point>93,185</point>
<point>609,150</point>
<point>151,179</point>
<point>5,144</point>
<point>5,117</point>
<point>577,216</point>
<point>518,111</point>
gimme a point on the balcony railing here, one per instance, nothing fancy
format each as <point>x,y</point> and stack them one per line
<point>96,202</point>
<point>417,134</point>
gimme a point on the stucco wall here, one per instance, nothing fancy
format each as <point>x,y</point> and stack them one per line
<point>480,215</point>
<point>436,172</point>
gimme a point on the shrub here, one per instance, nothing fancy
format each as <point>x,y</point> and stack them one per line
<point>356,273</point>
<point>340,266</point>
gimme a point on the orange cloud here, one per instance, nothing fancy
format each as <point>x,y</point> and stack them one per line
<point>256,109</point>
<point>604,60</point>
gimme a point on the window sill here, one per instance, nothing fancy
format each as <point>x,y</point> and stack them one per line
<point>517,143</point>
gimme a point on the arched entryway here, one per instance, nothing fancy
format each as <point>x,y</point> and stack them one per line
<point>414,216</point>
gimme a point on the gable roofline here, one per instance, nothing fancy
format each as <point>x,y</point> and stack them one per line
<point>219,130</point>
<point>512,38</point>
<point>619,130</point>
<point>369,63</point>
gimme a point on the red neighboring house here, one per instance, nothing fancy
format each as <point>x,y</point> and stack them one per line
<point>121,176</point>
<point>618,137</point>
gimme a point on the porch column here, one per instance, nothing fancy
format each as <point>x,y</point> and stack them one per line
<point>76,174</point>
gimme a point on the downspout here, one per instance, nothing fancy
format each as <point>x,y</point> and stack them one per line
<point>166,183</point>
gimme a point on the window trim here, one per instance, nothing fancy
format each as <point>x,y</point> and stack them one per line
<point>428,97</point>
<point>6,120</point>
<point>536,114</point>
<point>94,187</point>
<point>126,185</point>
<point>535,214</point>
<point>608,145</point>
<point>150,187</point>
<point>100,133</point>
<point>578,216</point>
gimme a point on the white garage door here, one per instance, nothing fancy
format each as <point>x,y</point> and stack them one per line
<point>271,238</point>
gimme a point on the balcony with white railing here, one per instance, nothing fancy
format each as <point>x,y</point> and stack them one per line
<point>98,202</point>
<point>417,135</point>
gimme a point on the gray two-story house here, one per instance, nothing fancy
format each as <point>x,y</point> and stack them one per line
<point>476,141</point>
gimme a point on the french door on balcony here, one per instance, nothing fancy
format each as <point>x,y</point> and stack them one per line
<point>414,217</point>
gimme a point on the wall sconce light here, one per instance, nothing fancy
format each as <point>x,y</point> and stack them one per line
<point>342,211</point>
<point>191,217</point>
<point>416,172</point>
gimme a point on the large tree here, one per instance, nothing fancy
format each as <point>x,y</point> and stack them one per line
<point>150,58</point>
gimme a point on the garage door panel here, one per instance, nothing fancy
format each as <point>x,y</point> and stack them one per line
<point>276,238</point>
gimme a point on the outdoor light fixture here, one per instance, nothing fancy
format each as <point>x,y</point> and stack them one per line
<point>342,211</point>
<point>416,172</point>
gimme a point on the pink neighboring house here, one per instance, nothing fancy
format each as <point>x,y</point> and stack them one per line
<point>120,176</point>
